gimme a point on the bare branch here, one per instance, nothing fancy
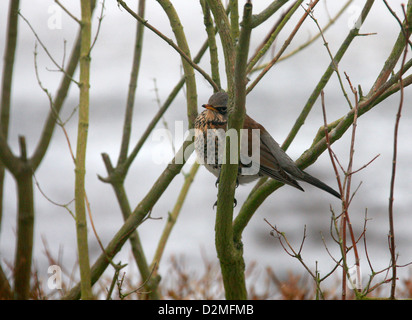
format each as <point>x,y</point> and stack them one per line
<point>171,43</point>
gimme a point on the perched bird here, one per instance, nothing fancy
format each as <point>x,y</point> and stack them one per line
<point>210,128</point>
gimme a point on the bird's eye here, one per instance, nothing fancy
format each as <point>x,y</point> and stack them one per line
<point>221,109</point>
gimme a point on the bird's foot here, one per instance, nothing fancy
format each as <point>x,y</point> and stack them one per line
<point>234,203</point>
<point>218,180</point>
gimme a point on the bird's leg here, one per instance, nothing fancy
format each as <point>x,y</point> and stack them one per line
<point>217,182</point>
<point>234,203</point>
<point>218,176</point>
<point>237,177</point>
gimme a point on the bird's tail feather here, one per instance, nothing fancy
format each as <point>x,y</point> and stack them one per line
<point>317,183</point>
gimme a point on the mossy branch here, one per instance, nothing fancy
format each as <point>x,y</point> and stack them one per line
<point>211,38</point>
<point>137,54</point>
<point>137,216</point>
<point>353,33</point>
<point>234,19</point>
<point>261,17</point>
<point>188,64</point>
<point>80,165</point>
<point>259,194</point>
<point>7,76</point>
<point>122,168</point>
<point>172,217</point>
<point>223,26</point>
<point>230,255</point>
<point>23,167</point>
<point>25,226</point>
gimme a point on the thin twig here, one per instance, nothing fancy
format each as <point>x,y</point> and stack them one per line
<point>285,45</point>
<point>288,248</point>
<point>335,65</point>
<point>68,12</point>
<point>394,160</point>
<point>311,40</point>
<point>99,24</point>
<point>60,68</point>
<point>345,197</point>
<point>171,43</point>
<point>405,32</point>
<point>262,49</point>
<point>65,205</point>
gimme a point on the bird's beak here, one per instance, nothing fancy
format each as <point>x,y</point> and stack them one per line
<point>209,106</point>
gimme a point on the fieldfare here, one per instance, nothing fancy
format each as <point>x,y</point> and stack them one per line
<point>210,131</point>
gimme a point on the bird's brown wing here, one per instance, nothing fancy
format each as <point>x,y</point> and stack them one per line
<point>269,164</point>
<point>276,164</point>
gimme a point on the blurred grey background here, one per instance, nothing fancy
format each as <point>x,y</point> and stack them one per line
<point>275,102</point>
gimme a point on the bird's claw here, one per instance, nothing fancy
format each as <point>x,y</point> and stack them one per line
<point>234,203</point>
<point>218,180</point>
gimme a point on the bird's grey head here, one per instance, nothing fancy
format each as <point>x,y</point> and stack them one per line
<point>219,99</point>
<point>218,102</point>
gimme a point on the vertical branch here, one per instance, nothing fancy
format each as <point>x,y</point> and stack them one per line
<point>348,180</point>
<point>342,233</point>
<point>343,247</point>
<point>117,176</point>
<point>234,19</point>
<point>22,168</point>
<point>137,248</point>
<point>117,184</point>
<point>25,226</point>
<point>391,199</point>
<point>127,126</point>
<point>173,216</point>
<point>191,93</point>
<point>9,54</point>
<point>344,190</point>
<point>7,77</point>
<point>223,26</point>
<point>5,288</point>
<point>211,39</point>
<point>258,195</point>
<point>230,256</point>
<point>80,169</point>
<point>394,160</point>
